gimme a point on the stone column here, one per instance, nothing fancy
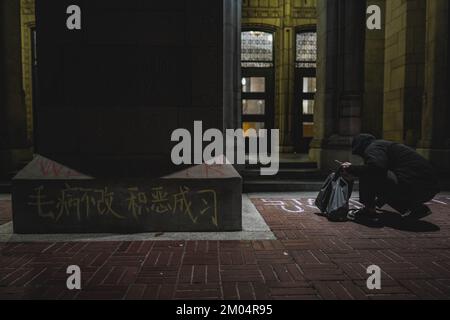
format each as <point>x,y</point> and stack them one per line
<point>232,64</point>
<point>435,142</point>
<point>372,112</point>
<point>13,118</point>
<point>340,77</point>
<point>404,70</point>
<point>286,71</point>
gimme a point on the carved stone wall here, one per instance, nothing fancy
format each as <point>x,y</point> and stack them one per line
<point>112,93</point>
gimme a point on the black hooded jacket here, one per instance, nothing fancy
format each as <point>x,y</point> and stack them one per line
<point>413,171</point>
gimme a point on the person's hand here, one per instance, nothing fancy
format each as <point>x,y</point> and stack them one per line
<point>346,165</point>
<point>344,171</point>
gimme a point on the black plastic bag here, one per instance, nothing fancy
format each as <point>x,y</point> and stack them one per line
<point>333,199</point>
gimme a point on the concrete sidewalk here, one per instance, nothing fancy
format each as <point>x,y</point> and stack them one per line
<point>254,228</point>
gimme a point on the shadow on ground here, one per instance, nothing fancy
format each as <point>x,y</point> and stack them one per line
<point>389,219</point>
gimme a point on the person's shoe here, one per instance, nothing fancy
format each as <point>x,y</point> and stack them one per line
<point>351,216</point>
<point>354,215</point>
<point>417,213</point>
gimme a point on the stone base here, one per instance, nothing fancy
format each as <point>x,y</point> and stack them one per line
<point>50,198</point>
<point>440,158</point>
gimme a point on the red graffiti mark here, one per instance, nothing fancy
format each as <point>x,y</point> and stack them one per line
<point>51,169</point>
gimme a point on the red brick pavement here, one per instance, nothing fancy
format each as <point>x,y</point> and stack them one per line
<point>312,259</point>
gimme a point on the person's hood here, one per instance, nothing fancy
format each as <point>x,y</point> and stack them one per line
<point>361,142</point>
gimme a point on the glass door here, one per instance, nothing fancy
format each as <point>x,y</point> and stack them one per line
<point>257,62</point>
<point>305,89</point>
<point>304,107</point>
<point>257,100</point>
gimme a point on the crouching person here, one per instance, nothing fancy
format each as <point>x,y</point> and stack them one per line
<point>392,174</point>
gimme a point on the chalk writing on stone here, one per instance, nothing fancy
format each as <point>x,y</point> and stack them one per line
<point>85,203</point>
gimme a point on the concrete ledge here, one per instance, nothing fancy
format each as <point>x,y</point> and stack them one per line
<point>48,197</point>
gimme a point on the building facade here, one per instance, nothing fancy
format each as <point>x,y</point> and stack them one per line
<point>309,68</point>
